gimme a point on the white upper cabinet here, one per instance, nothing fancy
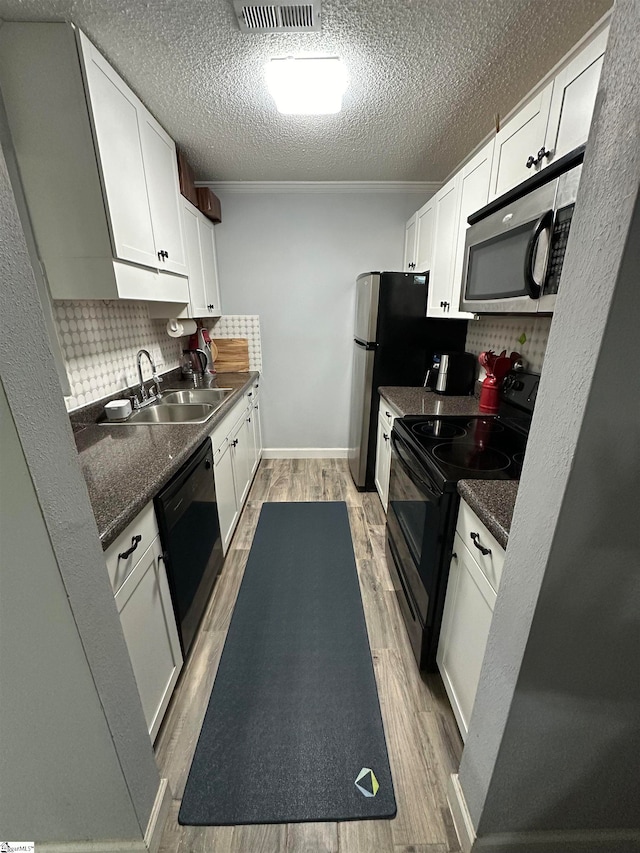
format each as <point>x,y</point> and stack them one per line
<point>574,97</point>
<point>444,244</point>
<point>409,261</point>
<point>99,174</point>
<point>518,144</point>
<point>204,291</point>
<point>425,222</point>
<point>161,170</point>
<point>206,229</point>
<point>474,194</point>
<point>114,116</point>
<point>143,197</point>
<point>418,239</point>
<point>554,122</point>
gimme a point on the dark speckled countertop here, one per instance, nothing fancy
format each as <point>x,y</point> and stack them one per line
<point>492,500</point>
<point>419,401</point>
<point>126,466</point>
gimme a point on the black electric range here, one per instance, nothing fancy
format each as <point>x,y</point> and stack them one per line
<point>484,448</point>
<point>429,454</point>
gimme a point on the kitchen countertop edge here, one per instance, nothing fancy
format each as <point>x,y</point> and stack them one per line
<point>120,496</point>
<point>493,501</point>
<point>421,401</point>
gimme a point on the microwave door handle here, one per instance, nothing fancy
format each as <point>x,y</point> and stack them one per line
<point>545,223</point>
<point>428,487</point>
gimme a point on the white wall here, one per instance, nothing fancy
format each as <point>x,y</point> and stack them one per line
<point>76,762</point>
<point>293,258</point>
<point>60,778</point>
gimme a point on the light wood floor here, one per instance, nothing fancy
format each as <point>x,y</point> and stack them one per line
<point>422,738</point>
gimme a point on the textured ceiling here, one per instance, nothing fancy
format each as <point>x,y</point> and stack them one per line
<point>426,78</point>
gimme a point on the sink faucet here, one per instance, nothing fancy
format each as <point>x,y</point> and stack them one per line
<point>145,396</point>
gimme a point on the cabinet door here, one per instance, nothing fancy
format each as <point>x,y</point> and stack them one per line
<point>241,442</point>
<point>209,268</point>
<point>197,297</point>
<point>161,170</point>
<point>425,220</point>
<point>149,627</point>
<point>225,493</point>
<point>574,97</point>
<point>521,137</point>
<point>252,432</point>
<point>383,461</point>
<point>257,431</point>
<point>444,243</point>
<point>114,116</point>
<point>408,264</point>
<point>474,194</point>
<point>466,620</point>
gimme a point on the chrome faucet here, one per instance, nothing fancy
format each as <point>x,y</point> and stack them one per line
<point>145,396</point>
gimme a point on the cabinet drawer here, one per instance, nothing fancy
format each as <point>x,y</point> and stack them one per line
<point>226,425</point>
<point>143,525</point>
<point>490,564</point>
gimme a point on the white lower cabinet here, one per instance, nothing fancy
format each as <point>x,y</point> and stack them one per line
<point>237,450</point>
<point>149,627</point>
<point>228,511</point>
<point>242,443</point>
<point>468,611</point>
<point>386,416</point>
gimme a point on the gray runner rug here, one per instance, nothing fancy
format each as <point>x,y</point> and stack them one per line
<point>293,730</point>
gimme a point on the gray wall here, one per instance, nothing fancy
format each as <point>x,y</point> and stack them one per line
<point>293,259</point>
<point>554,737</point>
<point>60,778</point>
<point>77,762</point>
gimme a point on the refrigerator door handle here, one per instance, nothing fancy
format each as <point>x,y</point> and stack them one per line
<point>368,345</point>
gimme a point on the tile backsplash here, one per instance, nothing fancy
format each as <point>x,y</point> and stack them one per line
<point>502,332</point>
<point>241,326</point>
<point>99,341</point>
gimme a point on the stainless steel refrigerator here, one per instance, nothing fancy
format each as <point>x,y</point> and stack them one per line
<point>393,344</point>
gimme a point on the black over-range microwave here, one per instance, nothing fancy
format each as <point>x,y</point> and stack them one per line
<point>515,246</point>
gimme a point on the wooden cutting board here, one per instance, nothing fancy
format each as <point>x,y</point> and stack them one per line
<point>233,355</point>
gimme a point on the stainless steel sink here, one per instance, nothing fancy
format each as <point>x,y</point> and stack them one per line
<point>159,413</point>
<point>197,395</point>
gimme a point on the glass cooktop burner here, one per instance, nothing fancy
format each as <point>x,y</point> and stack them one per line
<point>470,457</point>
<point>518,458</point>
<point>495,425</point>
<point>438,429</point>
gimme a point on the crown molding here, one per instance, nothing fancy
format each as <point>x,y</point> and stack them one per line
<point>423,187</point>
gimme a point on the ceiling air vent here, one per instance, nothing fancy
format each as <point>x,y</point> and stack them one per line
<point>259,17</point>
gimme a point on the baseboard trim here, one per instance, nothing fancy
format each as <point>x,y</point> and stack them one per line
<point>305,453</point>
<point>91,847</point>
<point>574,841</point>
<point>460,814</point>
<point>158,818</point>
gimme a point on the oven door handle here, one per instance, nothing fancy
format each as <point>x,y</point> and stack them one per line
<point>426,485</point>
<point>545,223</point>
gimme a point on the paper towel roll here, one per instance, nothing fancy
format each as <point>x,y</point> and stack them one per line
<point>180,328</point>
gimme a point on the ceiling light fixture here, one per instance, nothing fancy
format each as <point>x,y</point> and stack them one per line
<point>307,85</point>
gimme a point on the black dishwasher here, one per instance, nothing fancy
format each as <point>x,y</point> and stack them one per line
<point>190,534</point>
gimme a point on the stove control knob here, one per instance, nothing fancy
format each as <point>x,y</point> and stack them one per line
<point>518,385</point>
<point>508,383</point>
